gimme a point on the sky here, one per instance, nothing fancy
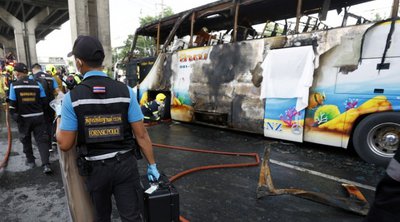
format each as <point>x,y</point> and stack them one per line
<point>125,14</point>
<point>124,20</point>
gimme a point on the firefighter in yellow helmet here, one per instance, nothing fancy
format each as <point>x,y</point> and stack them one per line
<point>51,69</point>
<point>154,110</point>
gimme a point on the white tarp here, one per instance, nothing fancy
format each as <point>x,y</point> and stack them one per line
<point>288,73</point>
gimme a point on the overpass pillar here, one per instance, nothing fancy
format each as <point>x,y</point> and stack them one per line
<point>92,17</point>
<point>25,40</point>
<point>20,43</point>
<point>31,26</point>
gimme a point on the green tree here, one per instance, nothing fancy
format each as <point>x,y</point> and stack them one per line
<point>145,46</point>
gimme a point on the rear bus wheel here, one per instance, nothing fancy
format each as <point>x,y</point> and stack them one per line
<point>376,138</point>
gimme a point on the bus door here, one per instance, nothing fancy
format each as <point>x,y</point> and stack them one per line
<point>287,77</point>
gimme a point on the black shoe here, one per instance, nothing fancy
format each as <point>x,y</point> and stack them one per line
<point>47,169</point>
<point>30,164</point>
<point>53,147</point>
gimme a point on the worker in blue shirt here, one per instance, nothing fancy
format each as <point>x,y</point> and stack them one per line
<point>27,102</point>
<point>104,118</point>
<point>51,89</point>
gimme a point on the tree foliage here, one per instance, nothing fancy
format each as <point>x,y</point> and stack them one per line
<point>145,46</point>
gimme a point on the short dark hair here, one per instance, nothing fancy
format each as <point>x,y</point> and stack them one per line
<point>36,66</point>
<point>94,63</point>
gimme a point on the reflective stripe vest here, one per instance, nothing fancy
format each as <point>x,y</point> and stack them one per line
<point>49,89</point>
<point>101,106</point>
<point>27,92</point>
<point>150,110</point>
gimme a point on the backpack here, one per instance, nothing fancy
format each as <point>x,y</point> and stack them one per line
<point>47,82</point>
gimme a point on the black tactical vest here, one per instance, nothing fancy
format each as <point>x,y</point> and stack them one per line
<point>27,92</point>
<point>47,83</point>
<point>101,106</point>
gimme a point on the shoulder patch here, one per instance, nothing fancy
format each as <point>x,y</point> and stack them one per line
<point>99,89</point>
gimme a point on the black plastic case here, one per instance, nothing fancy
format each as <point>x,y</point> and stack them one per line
<point>163,204</point>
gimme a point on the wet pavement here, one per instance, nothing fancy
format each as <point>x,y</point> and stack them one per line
<point>211,195</point>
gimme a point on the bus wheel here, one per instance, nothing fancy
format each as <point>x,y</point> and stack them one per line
<point>376,137</point>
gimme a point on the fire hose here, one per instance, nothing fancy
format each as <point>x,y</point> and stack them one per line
<point>3,163</point>
<point>356,203</point>
<point>208,167</point>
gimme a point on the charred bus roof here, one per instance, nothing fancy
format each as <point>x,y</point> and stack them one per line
<point>220,15</point>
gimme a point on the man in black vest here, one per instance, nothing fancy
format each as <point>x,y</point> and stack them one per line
<point>27,101</point>
<point>386,206</point>
<point>102,115</point>
<point>51,89</point>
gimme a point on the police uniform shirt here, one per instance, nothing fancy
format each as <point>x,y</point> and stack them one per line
<point>69,120</point>
<point>13,95</point>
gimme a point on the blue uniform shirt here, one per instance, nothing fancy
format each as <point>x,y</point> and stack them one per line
<point>13,97</point>
<point>69,120</point>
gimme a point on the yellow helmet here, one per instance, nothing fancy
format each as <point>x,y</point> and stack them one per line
<point>9,68</point>
<point>160,97</point>
<point>51,68</point>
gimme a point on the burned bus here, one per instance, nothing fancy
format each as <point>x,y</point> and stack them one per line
<point>296,78</point>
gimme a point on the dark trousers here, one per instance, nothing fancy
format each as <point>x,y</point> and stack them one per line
<point>36,125</point>
<point>118,178</point>
<point>49,119</point>
<point>386,206</point>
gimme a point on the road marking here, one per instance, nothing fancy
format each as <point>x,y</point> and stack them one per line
<point>316,173</point>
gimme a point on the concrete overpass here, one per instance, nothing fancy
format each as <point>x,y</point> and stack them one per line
<point>25,22</point>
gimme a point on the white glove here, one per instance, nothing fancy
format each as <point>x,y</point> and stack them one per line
<point>57,108</point>
<point>56,103</point>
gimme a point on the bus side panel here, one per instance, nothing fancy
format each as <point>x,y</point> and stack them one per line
<point>282,120</point>
<point>344,92</point>
<point>326,112</point>
<point>215,85</point>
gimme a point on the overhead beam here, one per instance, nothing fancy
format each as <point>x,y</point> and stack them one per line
<point>52,23</point>
<point>8,17</point>
<point>29,12</point>
<point>44,3</point>
<point>18,10</point>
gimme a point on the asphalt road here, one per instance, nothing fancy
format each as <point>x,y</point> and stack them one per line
<point>211,195</point>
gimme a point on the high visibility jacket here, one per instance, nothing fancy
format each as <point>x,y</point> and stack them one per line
<point>150,110</point>
<point>101,106</point>
<point>5,81</point>
<point>28,102</point>
<point>2,87</point>
<point>77,78</point>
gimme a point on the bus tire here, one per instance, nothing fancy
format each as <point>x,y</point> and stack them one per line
<point>376,137</point>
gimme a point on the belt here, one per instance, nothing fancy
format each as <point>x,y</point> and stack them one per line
<point>114,155</point>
